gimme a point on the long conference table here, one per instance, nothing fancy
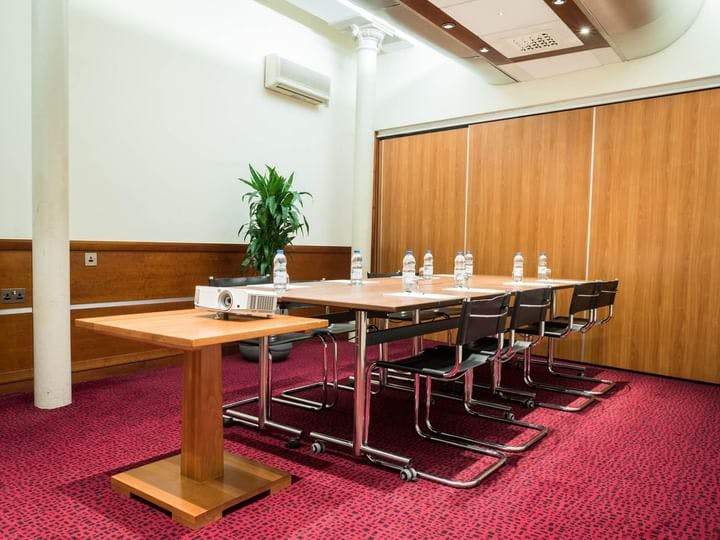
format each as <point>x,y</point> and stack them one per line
<point>386,295</point>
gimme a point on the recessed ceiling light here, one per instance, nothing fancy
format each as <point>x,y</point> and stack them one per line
<point>484,50</point>
<point>558,2</point>
<point>501,13</point>
<point>448,25</point>
<point>585,30</point>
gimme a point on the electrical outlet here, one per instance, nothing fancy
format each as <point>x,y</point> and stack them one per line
<point>90,259</point>
<point>12,296</point>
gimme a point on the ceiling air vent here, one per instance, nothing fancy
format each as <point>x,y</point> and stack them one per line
<point>536,42</point>
<point>296,81</point>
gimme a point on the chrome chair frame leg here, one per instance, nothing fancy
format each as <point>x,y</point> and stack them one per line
<point>589,399</point>
<point>552,364</point>
<point>462,441</point>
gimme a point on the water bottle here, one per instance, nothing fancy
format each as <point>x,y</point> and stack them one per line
<point>459,269</point>
<point>280,275</point>
<point>468,266</point>
<point>517,273</point>
<point>408,271</point>
<point>428,269</point>
<point>356,268</point>
<point>542,266</point>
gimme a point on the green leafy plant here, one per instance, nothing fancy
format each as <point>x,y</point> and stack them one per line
<point>275,217</point>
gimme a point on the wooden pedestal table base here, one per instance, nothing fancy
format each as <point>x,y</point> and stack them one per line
<point>203,480</point>
<point>193,503</point>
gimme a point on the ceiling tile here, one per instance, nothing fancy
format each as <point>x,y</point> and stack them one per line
<point>492,16</point>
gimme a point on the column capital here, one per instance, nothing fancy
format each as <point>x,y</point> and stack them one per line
<point>369,36</point>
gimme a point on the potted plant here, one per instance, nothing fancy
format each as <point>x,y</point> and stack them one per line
<point>275,219</point>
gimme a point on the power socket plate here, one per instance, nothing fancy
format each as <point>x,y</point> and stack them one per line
<point>12,296</point>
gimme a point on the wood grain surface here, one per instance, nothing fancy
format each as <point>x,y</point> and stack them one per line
<point>655,226</point>
<point>421,201</point>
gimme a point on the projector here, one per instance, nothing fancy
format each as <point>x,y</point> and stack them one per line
<point>236,301</point>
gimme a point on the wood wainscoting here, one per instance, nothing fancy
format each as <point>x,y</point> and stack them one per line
<point>130,277</point>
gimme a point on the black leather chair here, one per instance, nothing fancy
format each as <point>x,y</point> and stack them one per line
<point>479,319</point>
<point>282,343</point>
<point>586,299</point>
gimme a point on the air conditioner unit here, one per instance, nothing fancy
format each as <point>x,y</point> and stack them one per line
<point>236,300</point>
<point>297,81</point>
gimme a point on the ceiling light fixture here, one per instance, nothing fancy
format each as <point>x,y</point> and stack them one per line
<point>501,13</point>
<point>585,30</point>
<point>558,2</point>
<point>484,50</point>
<point>448,25</point>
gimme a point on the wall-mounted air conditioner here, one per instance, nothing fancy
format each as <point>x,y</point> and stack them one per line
<point>297,81</point>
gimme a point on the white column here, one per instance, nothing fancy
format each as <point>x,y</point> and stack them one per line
<point>369,38</point>
<point>50,237</point>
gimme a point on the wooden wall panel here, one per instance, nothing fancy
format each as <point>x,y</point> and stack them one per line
<point>421,199</point>
<point>655,226</point>
<point>529,191</point>
<point>129,271</point>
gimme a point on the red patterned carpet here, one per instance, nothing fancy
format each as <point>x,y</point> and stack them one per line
<point>641,463</point>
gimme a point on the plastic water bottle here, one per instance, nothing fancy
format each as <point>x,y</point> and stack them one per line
<point>428,268</point>
<point>468,266</point>
<point>280,274</point>
<point>459,269</point>
<point>517,274</point>
<point>356,268</point>
<point>542,266</point>
<point>408,271</point>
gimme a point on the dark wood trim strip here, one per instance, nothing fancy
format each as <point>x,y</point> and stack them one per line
<point>10,244</point>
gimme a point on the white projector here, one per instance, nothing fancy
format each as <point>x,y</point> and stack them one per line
<point>236,300</point>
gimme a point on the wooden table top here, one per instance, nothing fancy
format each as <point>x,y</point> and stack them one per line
<point>190,329</point>
<point>386,295</point>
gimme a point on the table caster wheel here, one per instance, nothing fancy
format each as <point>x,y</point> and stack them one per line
<point>227,421</point>
<point>529,403</point>
<point>509,416</point>
<point>408,474</point>
<point>318,447</point>
<point>293,442</point>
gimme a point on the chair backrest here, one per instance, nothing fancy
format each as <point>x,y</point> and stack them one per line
<point>238,281</point>
<point>608,290</point>
<point>584,296</point>
<point>371,275</point>
<point>530,307</point>
<point>482,318</point>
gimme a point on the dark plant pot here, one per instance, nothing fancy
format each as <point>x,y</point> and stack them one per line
<point>279,352</point>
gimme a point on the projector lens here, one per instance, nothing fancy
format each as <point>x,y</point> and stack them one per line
<point>225,300</point>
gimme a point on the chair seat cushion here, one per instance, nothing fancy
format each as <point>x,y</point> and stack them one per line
<point>554,327</point>
<point>437,361</point>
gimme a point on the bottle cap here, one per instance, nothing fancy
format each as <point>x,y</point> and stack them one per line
<point>278,251</point>
<point>408,252</point>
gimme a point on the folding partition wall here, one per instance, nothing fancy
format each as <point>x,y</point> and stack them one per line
<point>626,190</point>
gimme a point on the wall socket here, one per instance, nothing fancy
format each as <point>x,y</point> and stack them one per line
<point>12,296</point>
<point>90,258</point>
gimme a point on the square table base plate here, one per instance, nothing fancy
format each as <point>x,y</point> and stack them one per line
<point>193,503</point>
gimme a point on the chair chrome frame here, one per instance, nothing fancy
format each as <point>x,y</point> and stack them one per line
<point>462,366</point>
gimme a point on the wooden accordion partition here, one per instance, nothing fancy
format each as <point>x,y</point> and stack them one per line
<point>419,201</point>
<point>626,190</point>
<point>528,192</point>
<point>656,226</point>
<point>130,277</point>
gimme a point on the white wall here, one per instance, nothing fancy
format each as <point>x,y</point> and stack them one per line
<point>15,120</point>
<point>418,85</point>
<point>167,108</point>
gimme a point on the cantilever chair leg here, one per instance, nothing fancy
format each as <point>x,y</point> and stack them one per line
<point>461,441</point>
<point>552,364</point>
<point>288,397</point>
<point>589,399</point>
